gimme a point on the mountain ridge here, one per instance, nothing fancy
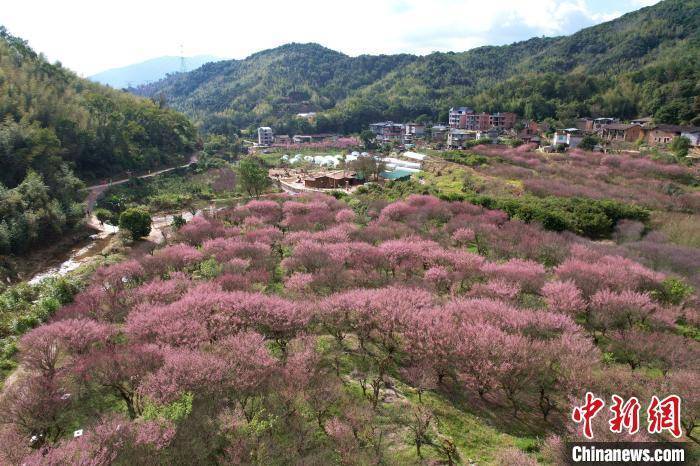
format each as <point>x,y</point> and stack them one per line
<point>649,55</point>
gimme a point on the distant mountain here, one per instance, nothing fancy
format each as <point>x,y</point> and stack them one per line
<point>148,71</point>
<point>644,63</point>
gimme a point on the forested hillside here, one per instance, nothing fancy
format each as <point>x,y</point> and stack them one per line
<point>271,85</point>
<point>56,129</point>
<point>645,62</point>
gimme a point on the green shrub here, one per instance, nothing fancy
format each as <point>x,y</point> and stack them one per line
<point>104,216</point>
<point>673,291</point>
<point>209,269</point>
<point>178,221</point>
<point>137,221</point>
<point>175,411</point>
<point>588,217</point>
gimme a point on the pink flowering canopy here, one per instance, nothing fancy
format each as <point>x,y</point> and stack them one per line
<point>305,315</point>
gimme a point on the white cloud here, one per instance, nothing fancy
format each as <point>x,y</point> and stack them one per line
<point>90,36</point>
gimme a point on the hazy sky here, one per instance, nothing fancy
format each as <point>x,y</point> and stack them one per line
<point>91,36</point>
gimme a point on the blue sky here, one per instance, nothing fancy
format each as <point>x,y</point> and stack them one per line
<point>91,36</point>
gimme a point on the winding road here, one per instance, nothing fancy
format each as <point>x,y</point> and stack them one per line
<point>80,254</point>
<point>96,191</point>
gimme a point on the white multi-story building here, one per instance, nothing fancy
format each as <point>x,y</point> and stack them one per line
<point>265,136</point>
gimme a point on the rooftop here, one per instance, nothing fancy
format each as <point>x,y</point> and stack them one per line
<point>618,126</point>
<point>676,128</point>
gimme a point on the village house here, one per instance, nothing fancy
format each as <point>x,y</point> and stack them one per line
<point>531,131</point>
<point>693,135</point>
<point>529,137</point>
<point>282,139</point>
<point>662,134</point>
<point>622,132</point>
<point>265,136</point>
<point>458,115</point>
<point>466,118</point>
<point>598,123</point>
<point>585,124</point>
<point>387,131</point>
<point>305,138</point>
<point>569,137</point>
<point>487,134</point>
<point>532,127</point>
<point>592,125</point>
<point>502,120</point>
<point>413,131</point>
<point>438,133</point>
<point>457,137</point>
<point>332,180</point>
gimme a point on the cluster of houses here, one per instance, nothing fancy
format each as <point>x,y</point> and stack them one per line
<point>467,127</point>
<point>611,130</point>
<point>267,137</point>
<point>464,124</point>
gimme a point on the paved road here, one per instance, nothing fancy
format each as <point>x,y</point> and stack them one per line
<point>96,191</point>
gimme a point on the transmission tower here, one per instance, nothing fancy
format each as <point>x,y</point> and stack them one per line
<point>183,66</point>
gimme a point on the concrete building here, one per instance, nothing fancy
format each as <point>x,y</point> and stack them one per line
<point>458,115</point>
<point>693,135</point>
<point>466,118</point>
<point>502,120</point>
<point>569,137</point>
<point>413,131</point>
<point>491,134</point>
<point>457,138</point>
<point>387,131</point>
<point>438,133</point>
<point>265,136</point>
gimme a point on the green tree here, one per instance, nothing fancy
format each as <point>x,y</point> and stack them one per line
<point>680,146</point>
<point>368,138</point>
<point>253,176</point>
<point>588,142</point>
<point>104,216</point>
<point>137,221</point>
<point>368,166</point>
<point>178,222</point>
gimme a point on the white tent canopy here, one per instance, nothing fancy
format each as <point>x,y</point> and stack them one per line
<point>415,155</point>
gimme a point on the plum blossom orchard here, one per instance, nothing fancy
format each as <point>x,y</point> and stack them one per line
<point>284,330</point>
